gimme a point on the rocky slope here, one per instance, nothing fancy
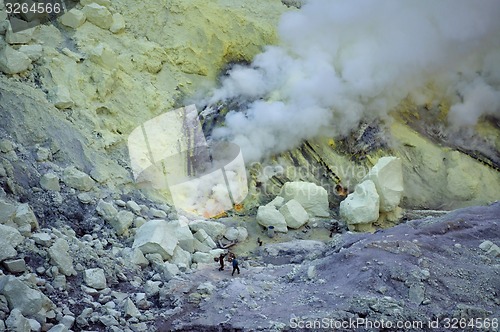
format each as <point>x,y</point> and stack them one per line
<point>85,249</point>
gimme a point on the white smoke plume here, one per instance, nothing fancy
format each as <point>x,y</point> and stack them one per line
<point>339,62</point>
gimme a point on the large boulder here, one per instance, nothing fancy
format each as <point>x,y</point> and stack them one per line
<point>295,215</point>
<point>313,198</point>
<point>202,236</point>
<point>98,15</point>
<point>95,278</point>
<point>181,230</point>
<point>25,219</point>
<point>17,322</point>
<point>28,300</point>
<point>76,179</point>
<point>61,258</point>
<point>156,236</point>
<point>387,175</point>
<point>50,181</point>
<point>122,221</point>
<point>73,18</point>
<point>181,258</point>
<point>267,215</point>
<point>12,61</point>
<point>238,234</point>
<point>7,211</point>
<point>202,257</point>
<point>362,206</point>
<point>9,239</point>
<point>214,229</point>
<point>106,210</point>
<point>10,235</point>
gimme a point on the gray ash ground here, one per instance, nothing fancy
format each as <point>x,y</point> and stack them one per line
<point>424,270</point>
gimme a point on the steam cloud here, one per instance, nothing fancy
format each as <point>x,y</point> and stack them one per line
<point>342,61</point>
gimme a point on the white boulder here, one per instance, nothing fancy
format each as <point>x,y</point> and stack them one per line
<point>313,198</point>
<point>156,236</point>
<point>95,278</point>
<point>269,216</point>
<point>12,61</point>
<point>122,221</point>
<point>25,219</point>
<point>277,202</point>
<point>50,181</point>
<point>202,257</point>
<point>182,232</point>
<point>10,235</point>
<point>73,18</point>
<point>20,37</point>
<point>9,239</point>
<point>242,234</point>
<point>130,309</point>
<point>118,24</point>
<point>212,228</point>
<point>231,233</point>
<point>17,322</point>
<point>77,179</point>
<point>295,215</point>
<point>387,175</point>
<point>19,295</point>
<point>362,206</point>
<point>61,258</point>
<point>98,15</point>
<point>181,258</point>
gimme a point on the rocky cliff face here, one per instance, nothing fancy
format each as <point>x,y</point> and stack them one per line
<point>85,248</point>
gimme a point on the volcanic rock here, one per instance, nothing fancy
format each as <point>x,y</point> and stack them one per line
<point>295,215</point>
<point>313,198</point>
<point>269,216</point>
<point>362,206</point>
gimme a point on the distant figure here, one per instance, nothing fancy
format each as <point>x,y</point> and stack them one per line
<point>235,265</point>
<point>221,262</point>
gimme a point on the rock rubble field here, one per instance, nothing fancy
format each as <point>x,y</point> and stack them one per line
<point>83,247</point>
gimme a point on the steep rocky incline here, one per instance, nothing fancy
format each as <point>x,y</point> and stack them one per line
<point>425,270</point>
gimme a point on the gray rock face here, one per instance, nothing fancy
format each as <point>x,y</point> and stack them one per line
<point>61,258</point>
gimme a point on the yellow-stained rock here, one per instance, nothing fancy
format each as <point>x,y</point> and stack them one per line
<point>98,15</point>
<point>73,18</point>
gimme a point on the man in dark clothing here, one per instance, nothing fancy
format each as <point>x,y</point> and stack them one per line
<point>235,265</point>
<point>221,262</point>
